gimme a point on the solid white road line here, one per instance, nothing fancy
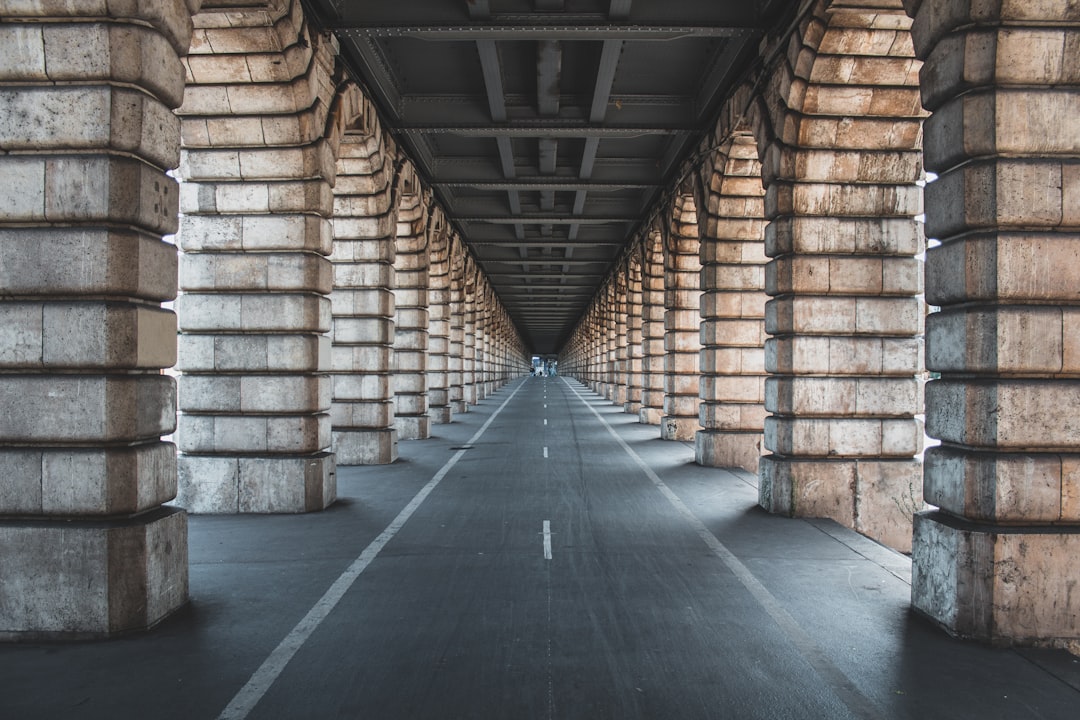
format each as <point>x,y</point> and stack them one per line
<point>257,686</point>
<point>547,539</point>
<point>860,705</point>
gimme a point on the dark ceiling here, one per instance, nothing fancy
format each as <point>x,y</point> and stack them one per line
<point>548,129</point>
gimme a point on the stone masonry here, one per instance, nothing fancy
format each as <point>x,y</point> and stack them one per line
<point>254,429</point>
<point>87,136</point>
<point>998,560</point>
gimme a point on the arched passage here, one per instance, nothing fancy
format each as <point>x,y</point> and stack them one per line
<point>732,229</point>
<point>840,131</point>
<point>362,301</point>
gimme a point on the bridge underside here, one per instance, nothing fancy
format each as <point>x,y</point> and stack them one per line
<point>246,244</point>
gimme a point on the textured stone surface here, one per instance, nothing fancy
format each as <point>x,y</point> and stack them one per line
<point>91,579</point>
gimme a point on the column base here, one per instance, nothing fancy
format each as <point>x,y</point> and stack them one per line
<point>874,497</point>
<point>441,415</point>
<point>413,427</point>
<point>650,416</point>
<point>266,484</point>
<point>718,448</point>
<point>459,406</point>
<point>1001,584</point>
<point>673,427</point>
<point>91,579</point>
<point>631,408</point>
<point>366,447</point>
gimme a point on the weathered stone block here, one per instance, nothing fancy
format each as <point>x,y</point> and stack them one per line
<point>680,428</point>
<point>998,487</point>
<point>54,189</point>
<point>86,335</point>
<point>76,481</point>
<point>254,313</point>
<point>996,193</point>
<point>847,397</point>
<point>1010,340</point>
<point>251,271</point>
<point>836,235</point>
<point>843,437</point>
<point>255,394</point>
<point>375,413</point>
<point>42,261</point>
<point>88,118</point>
<point>253,433</point>
<point>91,579</point>
<point>86,408</point>
<point>260,233</point>
<point>366,447</point>
<point>727,449</point>
<point>996,583</point>
<point>1003,413</point>
<point>1002,266</point>
<point>413,427</point>
<point>362,386</point>
<point>254,353</point>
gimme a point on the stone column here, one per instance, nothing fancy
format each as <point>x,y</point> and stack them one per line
<point>845,315</point>
<point>652,331</point>
<point>620,305</point>
<point>596,347</point>
<point>682,323</point>
<point>483,340</point>
<point>634,345</point>
<point>362,301</point>
<point>457,327</point>
<point>439,325</point>
<point>411,313</point>
<point>610,342</point>
<point>469,346</point>
<point>732,412</point>
<point>480,339</point>
<point>998,561</point>
<point>86,547</point>
<point>254,432</point>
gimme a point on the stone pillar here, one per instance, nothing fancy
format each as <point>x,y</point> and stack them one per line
<point>483,340</point>
<point>731,215</point>
<point>457,327</point>
<point>682,323</point>
<point>362,301</point>
<point>634,348</point>
<point>652,331</point>
<point>479,332</point>
<point>254,432</point>
<point>621,352</point>
<point>611,364</point>
<point>468,375</point>
<point>998,561</point>
<point>439,325</point>
<point>845,315</point>
<point>86,547</point>
<point>596,347</point>
<point>411,312</point>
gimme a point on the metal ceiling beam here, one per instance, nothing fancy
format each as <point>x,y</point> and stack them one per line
<point>541,262</point>
<point>541,244</point>
<point>546,219</point>
<point>546,27</point>
<point>548,70</point>
<point>550,276</point>
<point>523,183</point>
<point>540,129</point>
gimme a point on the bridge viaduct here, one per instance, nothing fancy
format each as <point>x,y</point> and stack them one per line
<point>774,310</point>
